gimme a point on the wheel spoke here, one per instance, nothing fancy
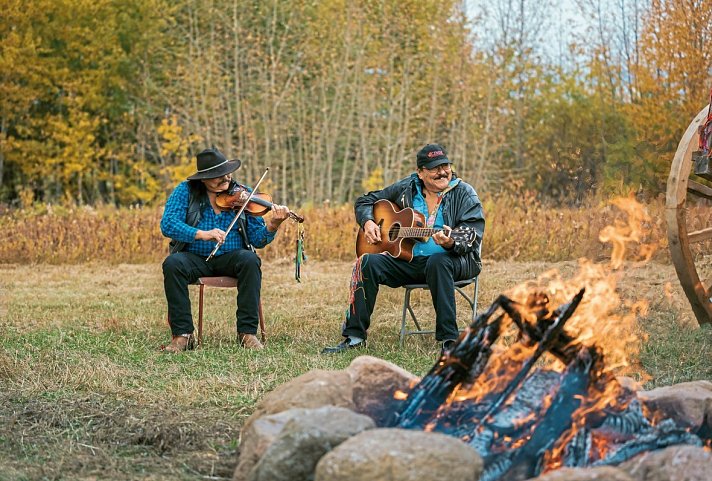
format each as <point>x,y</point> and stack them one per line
<point>700,190</point>
<point>700,235</point>
<point>680,189</point>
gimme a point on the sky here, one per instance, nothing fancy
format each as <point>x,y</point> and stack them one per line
<point>560,22</point>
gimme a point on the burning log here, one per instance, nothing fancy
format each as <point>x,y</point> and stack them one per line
<point>468,357</point>
<point>526,462</point>
<point>522,420</point>
<point>546,341</point>
<point>465,362</point>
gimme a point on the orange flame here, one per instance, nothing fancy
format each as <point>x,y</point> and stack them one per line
<point>601,319</point>
<point>400,395</point>
<point>635,230</point>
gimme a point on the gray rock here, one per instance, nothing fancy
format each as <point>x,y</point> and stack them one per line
<point>293,455</point>
<point>256,438</point>
<point>688,403</point>
<point>374,383</point>
<point>603,473</point>
<point>311,390</point>
<point>400,455</point>
<point>676,463</point>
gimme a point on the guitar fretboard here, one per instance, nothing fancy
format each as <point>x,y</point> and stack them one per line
<point>406,232</point>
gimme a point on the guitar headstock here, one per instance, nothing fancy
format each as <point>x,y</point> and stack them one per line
<point>464,235</point>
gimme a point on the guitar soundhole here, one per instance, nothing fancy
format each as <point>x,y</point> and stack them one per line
<point>393,232</point>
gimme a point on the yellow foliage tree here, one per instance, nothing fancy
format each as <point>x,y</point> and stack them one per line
<point>175,149</point>
<point>374,181</point>
<point>673,77</point>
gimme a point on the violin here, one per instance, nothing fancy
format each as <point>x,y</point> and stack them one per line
<point>259,204</point>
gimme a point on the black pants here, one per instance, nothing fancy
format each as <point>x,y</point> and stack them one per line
<point>439,271</point>
<point>184,268</point>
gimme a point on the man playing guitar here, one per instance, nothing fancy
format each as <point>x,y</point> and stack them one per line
<point>441,202</point>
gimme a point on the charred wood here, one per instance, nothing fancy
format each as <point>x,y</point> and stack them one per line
<point>547,339</point>
<point>563,346</point>
<point>540,419</point>
<point>557,420</point>
<point>465,361</point>
<point>665,434</point>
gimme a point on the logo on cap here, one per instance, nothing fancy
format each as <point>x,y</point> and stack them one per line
<point>435,153</point>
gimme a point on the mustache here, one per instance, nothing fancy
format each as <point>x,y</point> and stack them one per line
<point>441,176</point>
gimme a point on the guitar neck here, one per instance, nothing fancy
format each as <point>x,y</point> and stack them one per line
<point>410,232</point>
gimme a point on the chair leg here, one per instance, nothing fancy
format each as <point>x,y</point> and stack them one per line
<point>200,316</point>
<point>262,321</point>
<point>412,314</point>
<point>474,299</point>
<point>406,306</point>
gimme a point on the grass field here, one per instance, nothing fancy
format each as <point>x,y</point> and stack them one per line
<point>85,394</point>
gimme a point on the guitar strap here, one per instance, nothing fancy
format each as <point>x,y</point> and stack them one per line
<point>430,221</point>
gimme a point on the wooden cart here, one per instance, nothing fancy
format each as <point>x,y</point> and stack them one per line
<point>687,204</point>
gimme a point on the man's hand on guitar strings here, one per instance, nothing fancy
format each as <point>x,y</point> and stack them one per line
<point>372,232</point>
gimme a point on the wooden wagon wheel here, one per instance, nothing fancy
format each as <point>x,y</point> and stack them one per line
<point>681,241</point>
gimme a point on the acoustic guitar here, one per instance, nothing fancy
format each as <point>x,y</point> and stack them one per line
<point>400,228</point>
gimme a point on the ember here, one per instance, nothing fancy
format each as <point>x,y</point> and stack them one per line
<point>522,414</point>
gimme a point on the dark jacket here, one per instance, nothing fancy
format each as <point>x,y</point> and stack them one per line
<point>461,207</point>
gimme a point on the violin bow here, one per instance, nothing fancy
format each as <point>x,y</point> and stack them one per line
<point>239,213</point>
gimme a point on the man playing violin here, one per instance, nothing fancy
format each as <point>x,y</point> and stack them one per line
<point>195,223</point>
<point>444,200</point>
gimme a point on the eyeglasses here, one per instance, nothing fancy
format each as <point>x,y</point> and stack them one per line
<point>443,167</point>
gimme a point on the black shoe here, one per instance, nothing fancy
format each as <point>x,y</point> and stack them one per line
<point>447,345</point>
<point>345,345</point>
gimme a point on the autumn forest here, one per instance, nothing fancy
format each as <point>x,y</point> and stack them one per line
<point>107,101</point>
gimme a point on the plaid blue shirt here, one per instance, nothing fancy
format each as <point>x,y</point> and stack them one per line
<point>173,226</point>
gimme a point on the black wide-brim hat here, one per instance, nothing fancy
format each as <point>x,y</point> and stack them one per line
<point>212,163</point>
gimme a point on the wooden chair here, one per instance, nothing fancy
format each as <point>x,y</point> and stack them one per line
<point>221,281</point>
<point>459,285</point>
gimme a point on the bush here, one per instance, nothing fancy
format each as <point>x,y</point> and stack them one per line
<point>518,228</point>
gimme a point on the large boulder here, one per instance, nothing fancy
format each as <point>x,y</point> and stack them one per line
<point>603,473</point>
<point>676,463</point>
<point>314,389</point>
<point>688,403</point>
<point>256,438</point>
<point>293,455</point>
<point>400,455</point>
<point>374,383</point>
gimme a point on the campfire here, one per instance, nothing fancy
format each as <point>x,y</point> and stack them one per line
<point>550,398</point>
<point>522,419</point>
<point>531,386</point>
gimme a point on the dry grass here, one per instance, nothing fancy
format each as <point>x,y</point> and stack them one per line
<point>84,394</point>
<point>518,228</point>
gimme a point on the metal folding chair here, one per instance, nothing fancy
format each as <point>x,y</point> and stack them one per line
<point>407,309</point>
<point>459,285</point>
